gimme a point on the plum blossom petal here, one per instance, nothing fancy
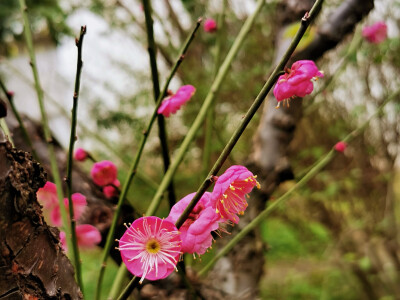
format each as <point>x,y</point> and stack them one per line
<point>150,248</point>
<point>376,33</point>
<point>79,204</point>
<point>196,230</point>
<point>230,190</point>
<point>298,81</point>
<point>47,195</point>
<point>104,173</point>
<point>87,236</point>
<point>173,103</point>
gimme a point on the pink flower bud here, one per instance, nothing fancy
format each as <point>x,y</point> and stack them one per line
<point>80,154</point>
<point>210,25</point>
<point>375,33</point>
<point>104,172</point>
<point>110,191</point>
<point>340,146</point>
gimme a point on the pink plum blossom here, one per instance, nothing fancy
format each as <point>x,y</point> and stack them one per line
<point>196,230</point>
<point>375,33</point>
<point>79,204</point>
<point>230,190</point>
<point>47,195</point>
<point>87,236</point>
<point>80,154</point>
<point>171,104</point>
<point>340,146</point>
<point>150,248</point>
<point>104,173</point>
<point>110,191</point>
<point>298,81</point>
<point>210,25</point>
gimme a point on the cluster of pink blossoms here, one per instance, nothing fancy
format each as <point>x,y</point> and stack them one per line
<point>297,82</point>
<point>151,247</point>
<point>87,235</point>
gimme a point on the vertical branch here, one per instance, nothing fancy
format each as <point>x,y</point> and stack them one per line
<point>10,98</point>
<point>162,133</point>
<point>305,21</point>
<point>45,123</point>
<point>135,163</point>
<point>68,179</point>
<point>207,150</point>
<point>222,72</point>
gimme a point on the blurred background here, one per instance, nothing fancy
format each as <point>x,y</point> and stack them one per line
<point>337,238</point>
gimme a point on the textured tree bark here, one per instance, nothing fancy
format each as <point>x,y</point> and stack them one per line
<point>32,264</point>
<point>239,273</point>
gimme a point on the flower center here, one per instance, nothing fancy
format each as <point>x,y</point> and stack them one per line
<point>153,246</point>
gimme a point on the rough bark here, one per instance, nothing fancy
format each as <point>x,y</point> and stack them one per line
<point>239,273</point>
<point>32,264</point>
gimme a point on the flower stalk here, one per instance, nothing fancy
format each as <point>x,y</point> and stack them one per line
<point>68,178</point>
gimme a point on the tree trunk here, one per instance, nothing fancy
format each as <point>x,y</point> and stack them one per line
<point>32,264</point>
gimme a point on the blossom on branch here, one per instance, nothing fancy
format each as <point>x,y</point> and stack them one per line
<point>210,25</point>
<point>110,191</point>
<point>47,195</point>
<point>104,173</point>
<point>79,203</point>
<point>80,154</point>
<point>297,82</point>
<point>340,146</point>
<point>87,236</point>
<point>150,248</point>
<point>196,230</point>
<point>230,191</point>
<point>376,33</point>
<point>171,104</point>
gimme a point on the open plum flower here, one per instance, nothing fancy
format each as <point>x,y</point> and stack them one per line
<point>376,33</point>
<point>87,236</point>
<point>173,103</point>
<point>196,230</point>
<point>230,190</point>
<point>79,204</point>
<point>297,82</point>
<point>150,248</point>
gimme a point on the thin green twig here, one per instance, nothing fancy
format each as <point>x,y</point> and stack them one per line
<point>68,179</point>
<point>210,118</point>
<point>46,130</point>
<point>222,72</point>
<point>320,164</point>
<point>305,21</point>
<point>162,132</point>
<point>25,135</point>
<point>135,163</point>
